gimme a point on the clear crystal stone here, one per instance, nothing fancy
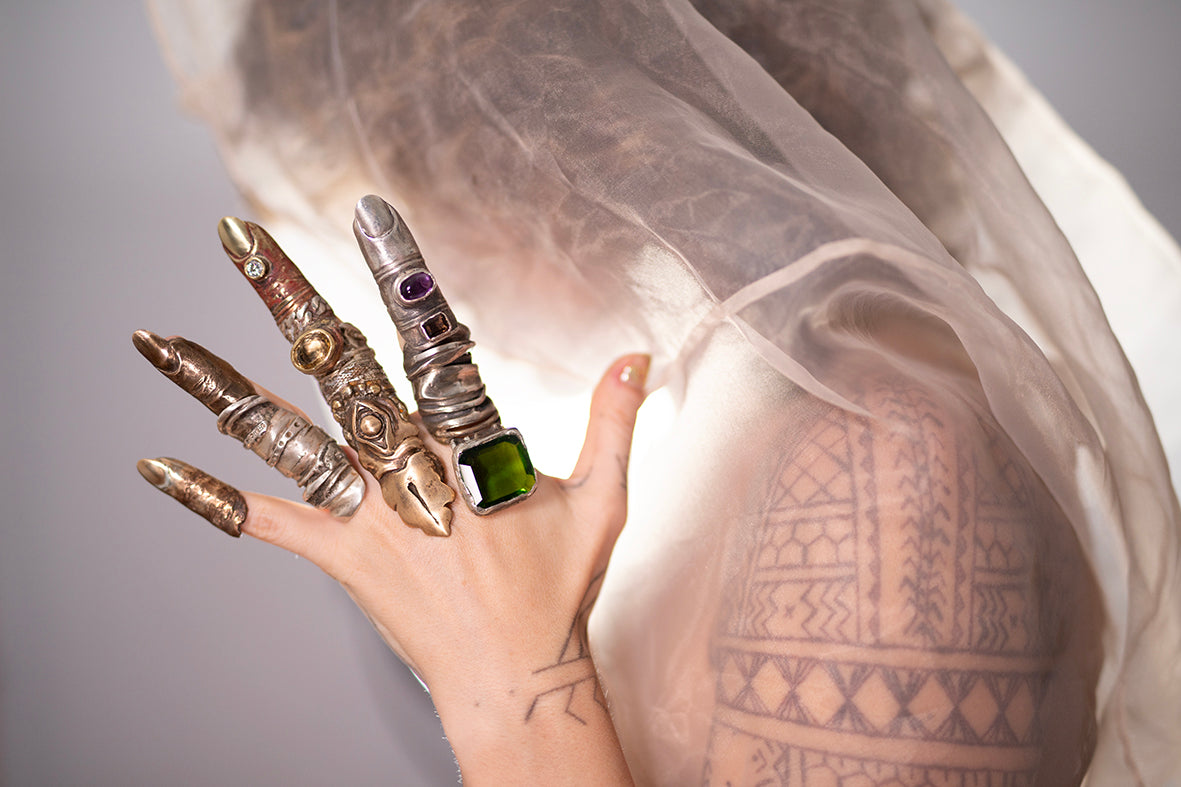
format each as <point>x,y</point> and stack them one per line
<point>254,268</point>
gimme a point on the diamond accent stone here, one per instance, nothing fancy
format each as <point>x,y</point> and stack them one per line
<point>255,268</point>
<point>416,286</point>
<point>496,471</point>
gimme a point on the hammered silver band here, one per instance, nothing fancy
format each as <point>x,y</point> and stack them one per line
<point>295,447</point>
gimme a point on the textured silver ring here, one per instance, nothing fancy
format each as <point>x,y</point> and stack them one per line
<point>490,461</point>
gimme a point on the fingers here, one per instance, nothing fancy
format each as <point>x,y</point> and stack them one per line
<point>491,462</point>
<point>436,346</point>
<point>601,469</point>
<point>298,529</point>
<point>373,419</point>
<point>285,439</point>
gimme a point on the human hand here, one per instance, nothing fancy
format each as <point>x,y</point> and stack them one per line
<point>493,618</point>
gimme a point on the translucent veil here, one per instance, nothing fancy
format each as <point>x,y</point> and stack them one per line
<point>772,198</point>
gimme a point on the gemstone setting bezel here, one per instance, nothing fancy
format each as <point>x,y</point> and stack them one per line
<point>473,497</point>
<point>256,268</point>
<point>436,326</point>
<point>412,279</point>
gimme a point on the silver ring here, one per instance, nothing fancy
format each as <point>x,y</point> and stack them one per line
<point>490,461</point>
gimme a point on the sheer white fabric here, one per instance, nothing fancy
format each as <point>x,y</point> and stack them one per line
<point>774,199</point>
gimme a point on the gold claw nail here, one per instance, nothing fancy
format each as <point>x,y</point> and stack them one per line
<point>419,494</point>
<point>235,236</point>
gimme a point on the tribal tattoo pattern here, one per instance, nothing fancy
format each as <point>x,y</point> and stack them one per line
<point>571,683</point>
<point>895,622</point>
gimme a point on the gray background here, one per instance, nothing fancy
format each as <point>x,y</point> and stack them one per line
<point>140,646</point>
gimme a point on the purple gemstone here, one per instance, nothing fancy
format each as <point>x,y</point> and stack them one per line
<point>416,286</point>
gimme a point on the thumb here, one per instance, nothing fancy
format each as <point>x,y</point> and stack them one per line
<point>601,470</point>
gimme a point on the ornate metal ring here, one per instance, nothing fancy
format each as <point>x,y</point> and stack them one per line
<point>288,442</point>
<point>374,420</point>
<point>490,461</point>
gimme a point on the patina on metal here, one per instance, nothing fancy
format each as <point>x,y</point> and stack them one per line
<point>373,419</point>
<point>286,440</point>
<point>490,461</point>
<point>218,502</point>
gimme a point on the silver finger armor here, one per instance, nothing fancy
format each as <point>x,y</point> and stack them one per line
<point>374,421</point>
<point>285,440</point>
<point>490,461</point>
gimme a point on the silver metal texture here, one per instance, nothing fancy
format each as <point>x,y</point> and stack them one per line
<point>436,347</point>
<point>287,441</point>
<point>373,419</point>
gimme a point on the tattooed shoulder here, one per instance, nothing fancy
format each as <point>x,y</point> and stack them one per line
<point>912,610</point>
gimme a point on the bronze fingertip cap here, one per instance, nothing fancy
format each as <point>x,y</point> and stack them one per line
<point>374,216</point>
<point>153,472</point>
<point>220,504</point>
<point>157,350</point>
<point>235,236</point>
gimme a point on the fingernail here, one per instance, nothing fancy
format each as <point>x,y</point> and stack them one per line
<point>235,236</point>
<point>157,350</point>
<point>374,216</point>
<point>635,371</point>
<point>216,501</point>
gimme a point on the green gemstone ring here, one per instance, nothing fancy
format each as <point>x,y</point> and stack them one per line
<point>494,471</point>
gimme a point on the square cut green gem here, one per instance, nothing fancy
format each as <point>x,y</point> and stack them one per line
<point>496,471</point>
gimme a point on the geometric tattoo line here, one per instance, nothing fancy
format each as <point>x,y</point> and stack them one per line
<point>571,679</point>
<point>887,626</point>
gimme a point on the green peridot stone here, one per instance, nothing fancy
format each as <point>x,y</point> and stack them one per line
<point>497,471</point>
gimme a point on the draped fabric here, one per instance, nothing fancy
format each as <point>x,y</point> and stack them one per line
<point>819,233</point>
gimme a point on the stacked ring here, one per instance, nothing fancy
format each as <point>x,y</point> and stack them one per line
<point>288,442</point>
<point>373,419</point>
<point>490,461</point>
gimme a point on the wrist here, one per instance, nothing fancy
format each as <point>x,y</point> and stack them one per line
<point>549,726</point>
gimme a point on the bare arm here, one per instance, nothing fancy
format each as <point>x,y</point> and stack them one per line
<point>913,611</point>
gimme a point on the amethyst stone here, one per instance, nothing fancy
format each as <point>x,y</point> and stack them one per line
<point>416,286</point>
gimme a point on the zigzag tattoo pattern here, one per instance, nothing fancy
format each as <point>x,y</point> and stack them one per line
<point>887,628</point>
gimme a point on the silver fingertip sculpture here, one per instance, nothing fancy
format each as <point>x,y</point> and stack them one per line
<point>490,461</point>
<point>286,440</point>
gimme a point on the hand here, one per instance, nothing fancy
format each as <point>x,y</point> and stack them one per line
<point>493,618</point>
<point>499,599</point>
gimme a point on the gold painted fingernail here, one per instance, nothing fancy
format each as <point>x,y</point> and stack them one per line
<point>218,502</point>
<point>635,372</point>
<point>235,236</point>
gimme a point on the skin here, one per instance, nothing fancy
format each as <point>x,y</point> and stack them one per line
<point>912,609</point>
<point>493,617</point>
